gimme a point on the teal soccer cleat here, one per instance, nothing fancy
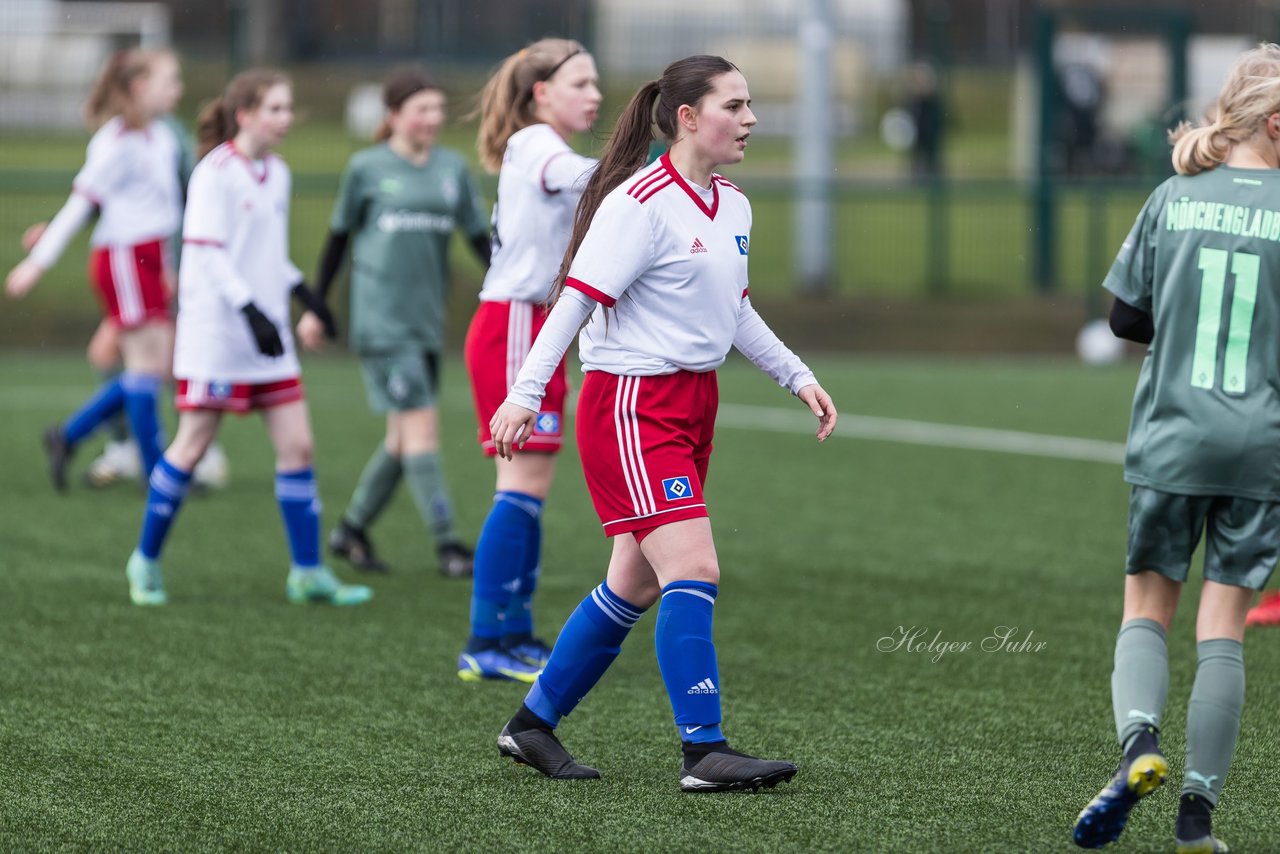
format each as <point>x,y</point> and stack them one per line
<point>146,585</point>
<point>320,585</point>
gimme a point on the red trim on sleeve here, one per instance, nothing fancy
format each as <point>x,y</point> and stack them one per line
<point>201,241</point>
<point>599,296</point>
<point>744,292</point>
<point>542,176</point>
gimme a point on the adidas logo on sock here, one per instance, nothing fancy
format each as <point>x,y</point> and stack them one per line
<point>706,686</point>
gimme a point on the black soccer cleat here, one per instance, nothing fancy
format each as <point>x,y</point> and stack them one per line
<point>59,454</point>
<point>726,770</point>
<point>353,543</point>
<point>1142,771</point>
<point>456,560</point>
<point>542,751</point>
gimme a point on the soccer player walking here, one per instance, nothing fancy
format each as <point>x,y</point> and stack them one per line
<point>401,201</point>
<point>1197,280</point>
<point>532,105</point>
<point>234,351</point>
<point>130,178</point>
<point>657,269</point>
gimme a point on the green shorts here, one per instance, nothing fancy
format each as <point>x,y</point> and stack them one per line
<point>399,382</point>
<point>1242,536</point>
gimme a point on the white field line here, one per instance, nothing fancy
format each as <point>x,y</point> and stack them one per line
<point>773,419</point>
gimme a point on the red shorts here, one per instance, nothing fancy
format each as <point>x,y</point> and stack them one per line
<point>645,444</point>
<point>130,283</point>
<point>498,340</point>
<point>239,398</point>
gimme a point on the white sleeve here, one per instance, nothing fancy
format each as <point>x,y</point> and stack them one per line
<point>102,171</point>
<point>755,340</point>
<point>205,234</point>
<point>64,226</point>
<point>566,170</point>
<point>617,249</point>
<point>563,323</point>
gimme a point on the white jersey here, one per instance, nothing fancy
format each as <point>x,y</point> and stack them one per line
<point>130,175</point>
<point>235,251</point>
<point>539,186</point>
<point>669,259</point>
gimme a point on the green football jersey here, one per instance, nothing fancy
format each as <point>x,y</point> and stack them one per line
<point>401,218</point>
<point>1204,259</point>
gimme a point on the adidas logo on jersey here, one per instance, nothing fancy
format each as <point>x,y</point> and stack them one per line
<point>706,686</point>
<point>697,247</point>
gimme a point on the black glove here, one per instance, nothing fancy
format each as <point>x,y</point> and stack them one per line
<point>264,331</point>
<point>312,302</point>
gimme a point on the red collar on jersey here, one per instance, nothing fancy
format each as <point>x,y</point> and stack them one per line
<point>248,164</point>
<point>693,194</point>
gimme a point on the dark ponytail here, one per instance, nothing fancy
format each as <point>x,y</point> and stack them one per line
<point>653,107</point>
<point>217,121</point>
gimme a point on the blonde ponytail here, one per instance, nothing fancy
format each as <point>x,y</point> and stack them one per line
<point>1250,95</point>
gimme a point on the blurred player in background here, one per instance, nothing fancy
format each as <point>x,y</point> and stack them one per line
<point>532,105</point>
<point>131,179</point>
<point>234,351</point>
<point>401,200</point>
<point>1198,278</point>
<point>657,270</point>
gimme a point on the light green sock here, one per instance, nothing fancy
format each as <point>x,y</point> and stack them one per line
<point>1140,680</point>
<point>425,474</point>
<point>1213,716</point>
<point>377,484</point>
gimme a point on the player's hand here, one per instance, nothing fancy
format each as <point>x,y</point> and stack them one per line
<point>265,334</point>
<point>311,331</point>
<point>32,236</point>
<point>819,403</point>
<point>510,427</point>
<point>22,279</point>
<point>312,302</point>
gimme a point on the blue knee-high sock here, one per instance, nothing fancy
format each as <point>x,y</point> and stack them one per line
<point>517,620</point>
<point>300,509</point>
<point>167,488</point>
<point>687,658</point>
<point>140,393</point>
<point>106,401</point>
<point>589,642</point>
<point>501,552</point>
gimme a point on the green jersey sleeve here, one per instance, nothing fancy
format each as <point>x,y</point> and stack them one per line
<point>1132,275</point>
<point>470,216</point>
<point>349,205</point>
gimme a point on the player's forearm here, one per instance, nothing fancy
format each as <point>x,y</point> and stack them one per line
<point>564,322</point>
<point>213,258</point>
<point>755,340</point>
<point>335,248</point>
<point>64,226</point>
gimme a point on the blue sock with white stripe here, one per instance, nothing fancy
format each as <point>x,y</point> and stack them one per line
<point>300,508</point>
<point>105,403</point>
<point>589,642</point>
<point>140,394</point>
<point>687,658</point>
<point>168,486</point>
<point>510,532</point>
<point>517,620</point>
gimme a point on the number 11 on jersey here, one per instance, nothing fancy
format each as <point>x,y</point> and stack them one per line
<point>1213,282</point>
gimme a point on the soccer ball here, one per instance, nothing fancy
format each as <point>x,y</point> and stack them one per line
<point>1097,345</point>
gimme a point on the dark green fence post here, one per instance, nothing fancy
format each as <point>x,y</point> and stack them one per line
<point>1042,230</point>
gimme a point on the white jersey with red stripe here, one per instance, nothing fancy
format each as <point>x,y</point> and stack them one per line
<point>235,251</point>
<point>539,186</point>
<point>669,261</point>
<point>131,175</point>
